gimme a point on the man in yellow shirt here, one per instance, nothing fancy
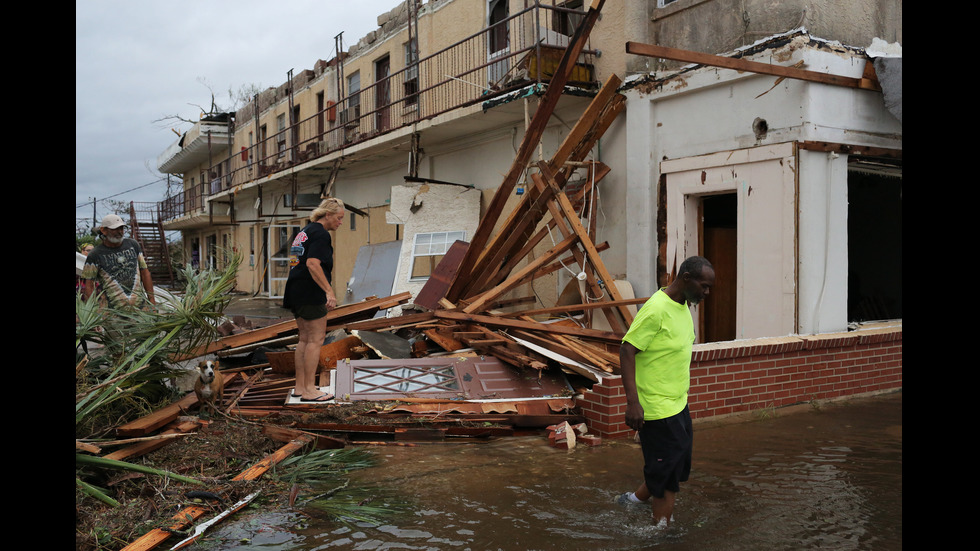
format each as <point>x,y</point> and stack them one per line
<point>655,361</point>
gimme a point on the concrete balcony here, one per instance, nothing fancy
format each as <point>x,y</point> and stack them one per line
<point>206,142</point>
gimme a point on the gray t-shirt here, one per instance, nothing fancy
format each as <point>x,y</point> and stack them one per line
<point>117,271</point>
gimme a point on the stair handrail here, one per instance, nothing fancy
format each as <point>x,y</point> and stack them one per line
<point>156,222</point>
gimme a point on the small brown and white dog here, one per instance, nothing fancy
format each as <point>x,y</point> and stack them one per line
<point>210,385</point>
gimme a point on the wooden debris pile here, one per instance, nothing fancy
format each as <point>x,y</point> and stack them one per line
<point>457,310</point>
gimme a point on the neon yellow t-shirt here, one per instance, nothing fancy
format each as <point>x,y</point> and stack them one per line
<point>663,332</point>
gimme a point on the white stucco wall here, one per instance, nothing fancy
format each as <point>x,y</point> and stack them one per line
<point>438,208</point>
<point>711,111</point>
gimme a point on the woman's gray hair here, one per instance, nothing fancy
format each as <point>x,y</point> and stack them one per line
<point>330,205</point>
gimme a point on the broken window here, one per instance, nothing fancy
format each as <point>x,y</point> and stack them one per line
<point>428,249</point>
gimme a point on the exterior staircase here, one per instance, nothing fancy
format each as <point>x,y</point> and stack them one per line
<point>147,230</point>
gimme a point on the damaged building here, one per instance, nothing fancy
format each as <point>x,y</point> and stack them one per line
<point>768,140</point>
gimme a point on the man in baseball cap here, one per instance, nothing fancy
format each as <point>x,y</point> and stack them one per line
<point>118,267</point>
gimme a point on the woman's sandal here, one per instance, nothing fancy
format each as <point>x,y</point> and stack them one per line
<point>326,397</point>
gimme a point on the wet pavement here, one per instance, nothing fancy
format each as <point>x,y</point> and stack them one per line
<point>825,476</point>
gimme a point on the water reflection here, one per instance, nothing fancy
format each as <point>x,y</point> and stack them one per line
<point>825,478</point>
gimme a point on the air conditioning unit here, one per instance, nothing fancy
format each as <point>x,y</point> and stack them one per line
<point>350,115</point>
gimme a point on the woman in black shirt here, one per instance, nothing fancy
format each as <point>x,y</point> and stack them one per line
<point>309,295</point>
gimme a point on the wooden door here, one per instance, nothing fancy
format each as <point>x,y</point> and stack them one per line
<point>382,94</point>
<point>720,247</point>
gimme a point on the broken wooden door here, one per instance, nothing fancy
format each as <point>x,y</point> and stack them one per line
<point>449,377</point>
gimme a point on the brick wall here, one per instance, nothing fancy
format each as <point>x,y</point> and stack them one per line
<point>741,376</point>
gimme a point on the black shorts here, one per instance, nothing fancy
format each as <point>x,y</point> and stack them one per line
<point>310,312</point>
<point>667,447</point>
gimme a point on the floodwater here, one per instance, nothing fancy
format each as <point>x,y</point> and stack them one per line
<point>826,477</point>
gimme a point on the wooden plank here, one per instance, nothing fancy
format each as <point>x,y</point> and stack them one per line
<point>479,303</point>
<point>163,416</point>
<point>493,263</point>
<point>497,321</point>
<point>593,255</point>
<point>243,391</point>
<point>283,434</point>
<point>338,350</point>
<point>564,262</point>
<point>181,521</point>
<point>526,216</point>
<point>144,448</point>
<point>586,122</point>
<point>442,276</point>
<point>532,137</point>
<point>444,338</point>
<point>384,323</point>
<point>341,314</point>
<point>687,56</point>
<point>564,223</point>
<point>272,459</point>
<point>573,307</point>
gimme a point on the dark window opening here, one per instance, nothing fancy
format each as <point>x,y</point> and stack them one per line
<point>874,241</point>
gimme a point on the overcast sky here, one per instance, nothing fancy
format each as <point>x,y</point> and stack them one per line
<point>137,62</point>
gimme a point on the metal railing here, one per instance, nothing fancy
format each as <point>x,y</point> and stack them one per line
<point>506,56</point>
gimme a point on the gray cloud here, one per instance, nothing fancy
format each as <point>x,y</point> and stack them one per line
<point>136,62</point>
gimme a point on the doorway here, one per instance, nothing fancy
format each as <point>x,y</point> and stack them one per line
<point>498,42</point>
<point>382,94</point>
<point>874,244</point>
<point>279,239</point>
<point>719,231</point>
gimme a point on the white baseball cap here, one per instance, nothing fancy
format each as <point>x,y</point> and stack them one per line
<point>112,221</point>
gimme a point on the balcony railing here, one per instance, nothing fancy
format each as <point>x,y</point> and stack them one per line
<point>518,51</point>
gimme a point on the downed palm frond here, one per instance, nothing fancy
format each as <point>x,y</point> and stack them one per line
<point>324,466</point>
<point>345,503</point>
<point>358,505</point>
<point>95,492</point>
<point>82,459</point>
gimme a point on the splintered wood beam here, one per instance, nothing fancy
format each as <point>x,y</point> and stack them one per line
<point>586,124</point>
<point>563,225</point>
<point>564,309</point>
<point>591,125</point>
<point>546,328</point>
<point>569,225</point>
<point>564,262</point>
<point>687,56</point>
<point>593,255</point>
<point>607,115</point>
<point>342,314</point>
<point>274,458</point>
<point>479,303</point>
<point>496,257</point>
<point>532,137</point>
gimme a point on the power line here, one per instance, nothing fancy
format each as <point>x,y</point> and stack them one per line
<point>122,192</point>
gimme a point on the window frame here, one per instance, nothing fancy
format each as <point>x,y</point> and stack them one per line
<point>435,248</point>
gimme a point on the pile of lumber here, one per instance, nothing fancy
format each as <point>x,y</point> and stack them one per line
<point>469,284</point>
